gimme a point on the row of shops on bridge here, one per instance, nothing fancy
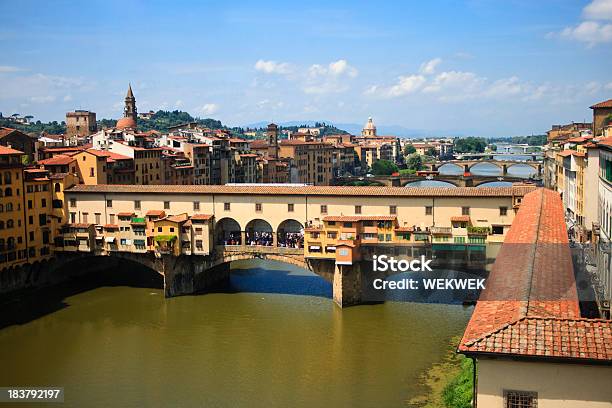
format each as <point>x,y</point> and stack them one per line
<point>342,238</point>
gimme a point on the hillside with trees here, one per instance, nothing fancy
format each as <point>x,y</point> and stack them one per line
<point>470,145</point>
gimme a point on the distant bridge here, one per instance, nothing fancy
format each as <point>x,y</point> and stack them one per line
<point>504,165</point>
<point>458,180</point>
<point>491,155</point>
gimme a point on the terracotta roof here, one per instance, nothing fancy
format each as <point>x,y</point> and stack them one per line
<point>58,160</point>
<point>158,213</point>
<point>202,217</point>
<point>125,214</point>
<point>461,218</point>
<point>175,218</point>
<point>604,104</point>
<point>308,190</point>
<point>550,337</point>
<point>355,218</point>
<point>111,226</point>
<point>532,278</point>
<point>7,150</point>
<point>110,155</point>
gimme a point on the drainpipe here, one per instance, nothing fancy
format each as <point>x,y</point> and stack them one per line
<point>474,384</point>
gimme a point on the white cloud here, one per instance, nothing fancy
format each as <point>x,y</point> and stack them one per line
<point>178,103</point>
<point>598,10</point>
<point>505,87</point>
<point>42,99</point>
<point>608,86</point>
<point>273,67</point>
<point>590,31</point>
<point>334,69</point>
<point>331,78</point>
<point>208,109</point>
<point>406,85</point>
<point>429,67</point>
<point>455,85</point>
<point>67,98</point>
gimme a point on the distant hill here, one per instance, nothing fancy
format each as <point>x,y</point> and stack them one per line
<point>328,129</point>
<point>54,128</point>
<point>162,120</point>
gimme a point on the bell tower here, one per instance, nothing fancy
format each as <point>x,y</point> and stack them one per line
<point>130,105</point>
<point>272,140</point>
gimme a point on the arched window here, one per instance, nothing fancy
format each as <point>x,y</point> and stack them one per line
<point>10,243</point>
<point>10,224</point>
<point>7,177</point>
<point>1,208</point>
<point>1,225</point>
<point>57,187</point>
<point>9,207</point>
<point>8,192</point>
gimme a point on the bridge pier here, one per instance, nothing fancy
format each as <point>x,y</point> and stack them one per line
<point>504,169</point>
<point>347,285</point>
<point>186,275</point>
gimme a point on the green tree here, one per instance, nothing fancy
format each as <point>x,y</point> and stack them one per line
<point>414,162</point>
<point>384,168</point>
<point>409,149</point>
<point>431,151</point>
<point>470,145</point>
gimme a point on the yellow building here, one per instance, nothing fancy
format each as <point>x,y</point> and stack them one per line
<point>13,247</point>
<point>91,167</point>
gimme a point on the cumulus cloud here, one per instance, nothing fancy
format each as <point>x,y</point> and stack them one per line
<point>273,67</point>
<point>429,67</point>
<point>331,78</point>
<point>589,31</point>
<point>598,10</point>
<point>455,86</point>
<point>208,109</point>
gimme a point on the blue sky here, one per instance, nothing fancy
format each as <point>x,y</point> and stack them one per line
<point>481,67</point>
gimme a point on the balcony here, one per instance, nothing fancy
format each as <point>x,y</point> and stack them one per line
<point>441,230</point>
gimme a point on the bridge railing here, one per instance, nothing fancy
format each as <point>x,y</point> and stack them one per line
<point>259,249</point>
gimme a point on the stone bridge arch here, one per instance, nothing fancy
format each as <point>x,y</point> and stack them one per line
<point>406,183</point>
<point>228,232</point>
<point>290,233</point>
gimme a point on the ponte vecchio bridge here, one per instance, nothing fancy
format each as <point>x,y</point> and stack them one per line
<point>190,234</point>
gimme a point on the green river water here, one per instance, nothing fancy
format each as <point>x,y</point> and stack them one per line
<point>275,340</point>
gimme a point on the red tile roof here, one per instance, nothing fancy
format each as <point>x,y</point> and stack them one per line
<point>7,150</point>
<point>111,226</point>
<point>58,160</point>
<point>125,214</point>
<point>202,217</point>
<point>604,104</point>
<point>541,337</point>
<point>461,218</point>
<point>280,189</point>
<point>530,307</point>
<point>158,213</point>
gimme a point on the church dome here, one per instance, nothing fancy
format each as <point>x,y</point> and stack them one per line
<point>370,125</point>
<point>126,123</point>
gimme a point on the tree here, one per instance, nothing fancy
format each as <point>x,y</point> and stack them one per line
<point>431,151</point>
<point>493,148</point>
<point>384,168</point>
<point>470,145</point>
<point>414,162</point>
<point>409,149</point>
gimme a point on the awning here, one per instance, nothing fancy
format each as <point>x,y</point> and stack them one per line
<point>109,239</point>
<point>314,247</point>
<point>330,248</point>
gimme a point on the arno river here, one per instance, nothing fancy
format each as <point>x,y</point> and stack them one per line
<point>274,339</point>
